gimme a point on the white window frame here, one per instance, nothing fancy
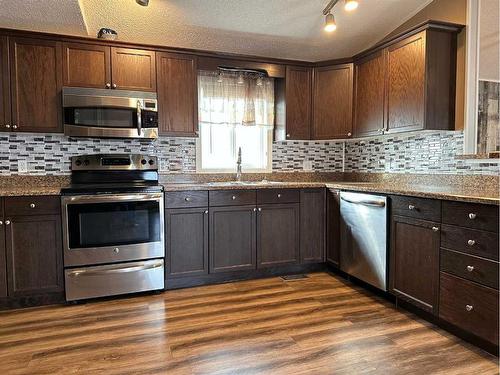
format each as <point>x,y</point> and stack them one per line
<point>269,155</point>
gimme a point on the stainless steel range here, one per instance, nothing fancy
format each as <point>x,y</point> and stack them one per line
<point>113,226</point>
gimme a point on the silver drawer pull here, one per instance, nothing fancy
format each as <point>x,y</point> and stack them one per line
<point>260,209</point>
<point>472,216</point>
<point>435,229</point>
<point>206,211</point>
<point>469,307</point>
<point>7,222</point>
<point>119,269</point>
<point>470,268</point>
<point>1,222</point>
<point>233,197</point>
<point>411,207</point>
<point>279,195</point>
<point>255,209</point>
<point>32,205</point>
<point>471,242</point>
<point>187,199</point>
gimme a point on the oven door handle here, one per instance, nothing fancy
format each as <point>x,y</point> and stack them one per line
<point>112,198</point>
<point>139,117</point>
<point>118,269</point>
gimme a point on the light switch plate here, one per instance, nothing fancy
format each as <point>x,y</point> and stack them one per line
<point>22,166</point>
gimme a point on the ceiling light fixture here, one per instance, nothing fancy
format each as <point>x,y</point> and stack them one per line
<point>330,24</point>
<point>350,5</point>
<point>144,3</point>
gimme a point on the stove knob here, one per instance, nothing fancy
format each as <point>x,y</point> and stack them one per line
<point>86,162</point>
<point>151,161</point>
<point>143,161</point>
<point>78,162</point>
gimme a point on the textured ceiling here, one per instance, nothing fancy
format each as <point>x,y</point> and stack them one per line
<point>275,28</point>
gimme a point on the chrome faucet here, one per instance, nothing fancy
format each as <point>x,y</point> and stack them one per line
<point>238,166</point>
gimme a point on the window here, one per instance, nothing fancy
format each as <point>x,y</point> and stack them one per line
<point>235,111</point>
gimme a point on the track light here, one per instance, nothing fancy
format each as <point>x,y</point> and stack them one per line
<point>330,24</point>
<point>350,5</point>
<point>144,3</point>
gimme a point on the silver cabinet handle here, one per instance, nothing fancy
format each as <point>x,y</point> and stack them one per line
<point>233,197</point>
<point>139,117</point>
<point>108,85</point>
<point>32,205</point>
<point>349,134</point>
<point>206,211</point>
<point>279,195</point>
<point>7,222</point>
<point>114,85</point>
<point>1,222</point>
<point>255,209</point>
<point>472,216</point>
<point>435,229</point>
<point>116,250</point>
<point>7,126</point>
<point>14,126</point>
<point>471,242</point>
<point>187,199</point>
<point>260,209</point>
<point>411,207</point>
<point>469,307</point>
<point>288,135</point>
<point>470,268</point>
<point>119,269</point>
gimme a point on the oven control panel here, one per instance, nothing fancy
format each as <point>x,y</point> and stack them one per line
<point>108,162</point>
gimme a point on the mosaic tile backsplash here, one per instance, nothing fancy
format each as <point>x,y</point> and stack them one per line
<point>419,152</point>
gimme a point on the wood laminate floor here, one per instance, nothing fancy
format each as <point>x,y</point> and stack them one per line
<point>319,325</point>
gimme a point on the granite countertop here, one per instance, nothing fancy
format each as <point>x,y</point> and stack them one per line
<point>242,186</point>
<point>12,191</point>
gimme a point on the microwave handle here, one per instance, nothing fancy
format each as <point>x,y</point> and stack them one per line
<point>139,118</point>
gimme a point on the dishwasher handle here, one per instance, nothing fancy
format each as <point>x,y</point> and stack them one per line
<point>370,203</point>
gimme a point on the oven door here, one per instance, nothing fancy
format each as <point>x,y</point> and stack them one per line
<point>112,228</point>
<point>108,113</point>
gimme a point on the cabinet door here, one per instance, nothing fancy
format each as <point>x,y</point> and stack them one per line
<point>414,271</point>
<point>36,78</point>
<point>369,95</point>
<point>312,225</point>
<point>34,255</point>
<point>3,262</point>
<point>177,94</point>
<point>133,69</point>
<point>232,238</point>
<point>332,102</point>
<point>86,65</point>
<point>4,85</point>
<point>277,235</point>
<point>298,89</point>
<point>187,241</point>
<point>405,84</point>
<point>333,227</point>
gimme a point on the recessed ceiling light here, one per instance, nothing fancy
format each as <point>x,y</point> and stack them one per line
<point>330,24</point>
<point>350,5</point>
<point>144,3</point>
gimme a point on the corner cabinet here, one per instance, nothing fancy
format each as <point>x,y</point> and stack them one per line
<point>36,82</point>
<point>332,102</point>
<point>177,94</point>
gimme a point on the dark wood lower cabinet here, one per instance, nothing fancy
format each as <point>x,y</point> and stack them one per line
<point>3,262</point>
<point>277,235</point>
<point>232,238</point>
<point>186,238</point>
<point>414,259</point>
<point>34,255</point>
<point>333,227</point>
<point>312,225</point>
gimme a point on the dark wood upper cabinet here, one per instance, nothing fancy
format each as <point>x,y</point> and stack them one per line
<point>133,69</point>
<point>4,85</point>
<point>34,255</point>
<point>332,116</point>
<point>312,225</point>
<point>186,236</point>
<point>369,78</point>
<point>86,65</point>
<point>414,261</point>
<point>333,227</point>
<point>3,261</point>
<point>277,234</point>
<point>232,238</point>
<point>177,94</point>
<point>298,92</point>
<point>36,81</point>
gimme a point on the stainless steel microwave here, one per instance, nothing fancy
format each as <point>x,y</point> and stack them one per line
<point>106,113</point>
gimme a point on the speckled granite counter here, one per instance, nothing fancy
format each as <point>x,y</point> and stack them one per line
<point>35,190</point>
<point>21,185</point>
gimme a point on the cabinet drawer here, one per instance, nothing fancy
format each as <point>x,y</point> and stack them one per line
<point>278,196</point>
<point>32,205</point>
<point>471,215</point>
<point>469,306</point>
<point>232,197</point>
<point>470,241</point>
<point>469,267</point>
<point>186,199</point>
<point>418,208</point>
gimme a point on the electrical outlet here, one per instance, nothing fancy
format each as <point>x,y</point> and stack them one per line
<point>307,165</point>
<point>22,166</point>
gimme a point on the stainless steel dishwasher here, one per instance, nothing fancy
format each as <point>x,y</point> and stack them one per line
<point>364,237</point>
